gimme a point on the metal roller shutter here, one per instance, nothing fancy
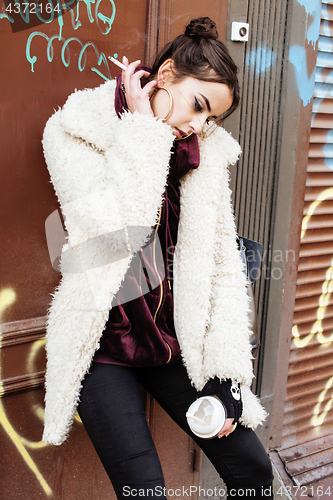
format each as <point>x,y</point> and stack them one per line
<point>307,443</point>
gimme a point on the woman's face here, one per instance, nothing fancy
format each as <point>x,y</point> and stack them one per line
<point>193,101</point>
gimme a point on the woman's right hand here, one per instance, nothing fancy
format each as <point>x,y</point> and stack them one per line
<point>227,428</point>
<point>137,98</point>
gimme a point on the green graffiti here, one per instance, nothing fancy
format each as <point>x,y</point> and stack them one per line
<point>65,54</point>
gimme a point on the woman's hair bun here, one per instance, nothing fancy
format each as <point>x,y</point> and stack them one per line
<point>202,27</point>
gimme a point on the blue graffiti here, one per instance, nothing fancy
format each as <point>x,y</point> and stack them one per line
<point>103,22</point>
<point>6,16</point>
<point>328,155</point>
<point>323,87</point>
<point>312,8</point>
<point>88,4</point>
<point>328,150</point>
<point>82,59</point>
<point>316,107</point>
<point>108,21</point>
<point>297,53</point>
<point>323,90</point>
<point>306,84</point>
<point>260,59</point>
<point>326,28</point>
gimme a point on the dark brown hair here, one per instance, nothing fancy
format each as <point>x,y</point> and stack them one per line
<point>198,53</point>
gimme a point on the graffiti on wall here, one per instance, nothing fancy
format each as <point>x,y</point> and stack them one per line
<point>7,298</point>
<point>306,87</point>
<point>298,53</point>
<point>102,16</point>
<point>260,59</point>
<point>22,444</point>
<point>320,410</point>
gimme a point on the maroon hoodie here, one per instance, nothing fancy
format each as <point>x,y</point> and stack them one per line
<point>141,332</point>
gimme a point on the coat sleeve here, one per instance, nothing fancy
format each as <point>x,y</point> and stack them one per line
<point>102,179</point>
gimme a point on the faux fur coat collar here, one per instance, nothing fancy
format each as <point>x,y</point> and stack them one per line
<point>110,174</point>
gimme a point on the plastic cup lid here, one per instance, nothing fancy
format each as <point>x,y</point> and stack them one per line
<point>206,417</point>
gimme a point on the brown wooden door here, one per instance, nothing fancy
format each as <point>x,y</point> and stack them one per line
<point>41,64</point>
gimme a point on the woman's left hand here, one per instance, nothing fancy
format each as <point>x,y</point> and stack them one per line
<point>228,428</point>
<point>137,98</point>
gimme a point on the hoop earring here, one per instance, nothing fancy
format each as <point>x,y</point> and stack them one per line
<point>170,100</point>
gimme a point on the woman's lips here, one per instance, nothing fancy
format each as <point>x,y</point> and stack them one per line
<point>179,133</point>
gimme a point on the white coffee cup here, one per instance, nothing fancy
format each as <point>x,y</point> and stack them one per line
<point>206,417</point>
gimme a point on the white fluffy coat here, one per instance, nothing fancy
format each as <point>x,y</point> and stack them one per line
<point>110,173</point>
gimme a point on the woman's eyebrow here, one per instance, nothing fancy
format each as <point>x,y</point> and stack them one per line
<point>206,101</point>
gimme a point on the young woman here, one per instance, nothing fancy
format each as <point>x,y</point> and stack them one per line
<point>140,167</point>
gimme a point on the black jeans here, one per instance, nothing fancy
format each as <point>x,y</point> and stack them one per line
<point>112,412</point>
